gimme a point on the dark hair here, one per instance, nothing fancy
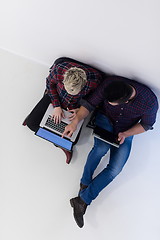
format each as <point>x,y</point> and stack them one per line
<point>118,91</point>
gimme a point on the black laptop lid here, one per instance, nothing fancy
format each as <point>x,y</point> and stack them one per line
<point>106,136</point>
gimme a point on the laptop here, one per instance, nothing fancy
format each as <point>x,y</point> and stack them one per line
<point>52,132</point>
<point>106,136</point>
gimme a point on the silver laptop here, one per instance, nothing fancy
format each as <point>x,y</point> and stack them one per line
<point>48,123</point>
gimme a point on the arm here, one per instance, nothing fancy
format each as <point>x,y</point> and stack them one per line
<point>86,107</point>
<point>136,129</point>
<point>51,86</point>
<point>70,128</point>
<point>147,119</point>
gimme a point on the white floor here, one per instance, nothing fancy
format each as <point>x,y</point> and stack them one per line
<point>36,183</point>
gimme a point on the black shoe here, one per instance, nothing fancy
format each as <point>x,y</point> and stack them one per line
<point>79,209</point>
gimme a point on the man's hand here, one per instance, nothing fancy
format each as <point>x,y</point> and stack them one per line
<point>136,129</point>
<point>73,113</point>
<point>81,114</point>
<point>58,114</point>
<point>69,130</point>
<point>121,137</point>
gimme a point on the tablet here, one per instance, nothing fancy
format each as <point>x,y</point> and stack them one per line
<point>106,136</point>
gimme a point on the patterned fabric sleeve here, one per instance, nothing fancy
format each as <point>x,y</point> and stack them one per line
<point>51,82</point>
<point>97,96</point>
<point>149,116</point>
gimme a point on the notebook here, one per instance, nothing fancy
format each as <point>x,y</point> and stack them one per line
<point>106,136</point>
<point>53,132</point>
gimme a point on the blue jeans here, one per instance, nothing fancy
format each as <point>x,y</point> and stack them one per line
<point>118,158</point>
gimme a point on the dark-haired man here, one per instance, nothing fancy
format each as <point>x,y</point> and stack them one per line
<point>126,108</point>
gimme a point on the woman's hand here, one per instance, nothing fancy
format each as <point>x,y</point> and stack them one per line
<point>73,113</point>
<point>58,114</point>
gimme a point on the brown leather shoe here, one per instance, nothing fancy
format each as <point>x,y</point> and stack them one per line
<point>68,155</point>
<point>79,209</point>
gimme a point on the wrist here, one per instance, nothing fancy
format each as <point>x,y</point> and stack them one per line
<point>126,134</point>
<point>75,121</point>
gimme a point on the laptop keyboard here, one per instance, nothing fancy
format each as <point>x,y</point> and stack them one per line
<point>60,127</point>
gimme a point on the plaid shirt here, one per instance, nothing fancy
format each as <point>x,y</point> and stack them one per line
<point>57,92</point>
<point>142,108</point>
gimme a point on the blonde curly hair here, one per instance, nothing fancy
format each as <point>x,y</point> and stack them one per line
<point>74,80</point>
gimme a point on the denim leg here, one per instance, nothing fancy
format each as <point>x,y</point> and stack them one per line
<point>118,158</point>
<point>99,149</point>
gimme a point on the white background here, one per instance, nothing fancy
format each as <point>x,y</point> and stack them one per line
<point>35,182</point>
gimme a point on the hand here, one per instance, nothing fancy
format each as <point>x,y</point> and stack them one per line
<point>58,114</point>
<point>73,113</point>
<point>69,130</point>
<point>121,137</point>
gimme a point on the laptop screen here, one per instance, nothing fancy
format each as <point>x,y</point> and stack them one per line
<point>57,140</point>
<point>106,136</point>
